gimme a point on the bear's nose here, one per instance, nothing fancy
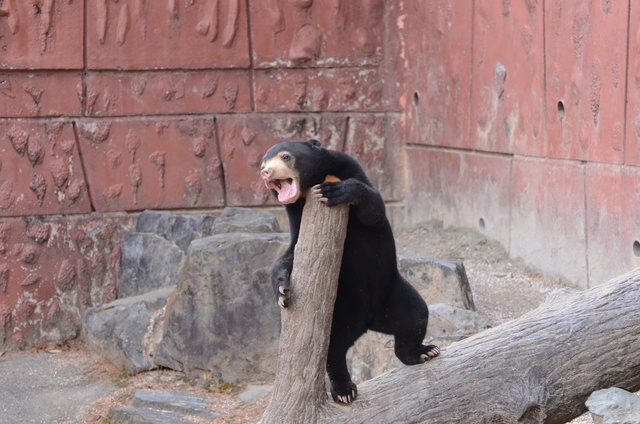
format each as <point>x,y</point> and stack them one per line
<point>266,173</point>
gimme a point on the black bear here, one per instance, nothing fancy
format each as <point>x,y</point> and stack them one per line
<point>372,295</point>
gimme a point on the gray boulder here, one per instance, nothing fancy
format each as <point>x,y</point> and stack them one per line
<point>438,280</point>
<point>175,228</point>
<point>222,317</point>
<point>165,407</point>
<point>130,415</point>
<point>176,401</point>
<point>449,322</point>
<point>153,254</point>
<point>117,329</point>
<point>252,394</point>
<point>148,262</point>
<point>614,406</point>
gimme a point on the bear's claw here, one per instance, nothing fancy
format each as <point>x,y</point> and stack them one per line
<point>316,192</point>
<point>429,352</point>
<point>284,296</point>
<point>344,395</point>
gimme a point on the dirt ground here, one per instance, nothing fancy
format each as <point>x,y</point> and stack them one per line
<point>503,289</point>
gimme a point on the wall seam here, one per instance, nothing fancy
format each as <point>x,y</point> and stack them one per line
<point>626,84</point>
<point>472,61</point>
<point>251,68</point>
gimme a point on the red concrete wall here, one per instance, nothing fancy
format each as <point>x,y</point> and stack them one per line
<point>519,117</point>
<point>108,107</point>
<point>525,124</point>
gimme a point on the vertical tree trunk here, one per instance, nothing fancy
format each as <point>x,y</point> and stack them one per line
<point>299,392</point>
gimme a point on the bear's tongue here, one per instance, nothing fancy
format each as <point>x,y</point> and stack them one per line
<point>287,190</point>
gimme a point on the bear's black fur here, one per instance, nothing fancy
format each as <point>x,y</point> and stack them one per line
<point>372,295</point>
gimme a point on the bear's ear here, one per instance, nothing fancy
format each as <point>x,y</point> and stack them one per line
<point>314,143</point>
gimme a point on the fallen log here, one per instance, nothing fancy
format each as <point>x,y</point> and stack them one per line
<point>539,368</point>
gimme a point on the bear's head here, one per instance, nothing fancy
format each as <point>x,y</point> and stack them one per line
<point>290,168</point>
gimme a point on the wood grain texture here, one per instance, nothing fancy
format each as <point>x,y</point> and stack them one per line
<point>299,391</point>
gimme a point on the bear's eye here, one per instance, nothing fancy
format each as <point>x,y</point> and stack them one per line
<point>286,157</point>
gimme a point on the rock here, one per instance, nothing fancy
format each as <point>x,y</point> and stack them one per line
<point>116,330</point>
<point>153,254</point>
<point>177,229</point>
<point>222,318</point>
<point>129,415</point>
<point>446,321</point>
<point>148,263</point>
<point>176,401</point>
<point>252,394</point>
<point>438,280</point>
<point>614,406</point>
<point>245,220</point>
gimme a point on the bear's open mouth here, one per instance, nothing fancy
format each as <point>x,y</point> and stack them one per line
<point>287,189</point>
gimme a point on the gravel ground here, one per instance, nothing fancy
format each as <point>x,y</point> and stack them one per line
<point>503,289</point>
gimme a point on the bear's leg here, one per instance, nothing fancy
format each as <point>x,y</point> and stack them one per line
<point>405,315</point>
<point>347,326</point>
<point>343,390</point>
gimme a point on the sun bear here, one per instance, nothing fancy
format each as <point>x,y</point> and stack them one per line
<point>372,295</point>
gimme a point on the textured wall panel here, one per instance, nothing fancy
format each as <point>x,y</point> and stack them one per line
<point>460,189</point>
<point>613,201</point>
<point>243,141</point>
<point>585,66</point>
<point>153,163</point>
<point>371,138</point>
<point>41,34</point>
<point>51,271</point>
<point>23,95</point>
<point>288,90</point>
<point>632,148</point>
<point>40,169</point>
<point>328,33</point>
<point>508,77</point>
<point>167,92</point>
<point>548,217</point>
<point>438,81</point>
<point>168,34</point>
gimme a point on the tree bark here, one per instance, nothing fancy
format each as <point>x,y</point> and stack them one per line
<point>299,392</point>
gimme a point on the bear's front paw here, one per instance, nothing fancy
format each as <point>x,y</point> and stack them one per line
<point>333,193</point>
<point>344,393</point>
<point>280,279</point>
<point>429,352</point>
<point>284,296</point>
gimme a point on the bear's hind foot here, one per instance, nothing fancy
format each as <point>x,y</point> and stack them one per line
<point>429,352</point>
<point>344,394</point>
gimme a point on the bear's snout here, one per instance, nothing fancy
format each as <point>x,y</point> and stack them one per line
<point>266,173</point>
